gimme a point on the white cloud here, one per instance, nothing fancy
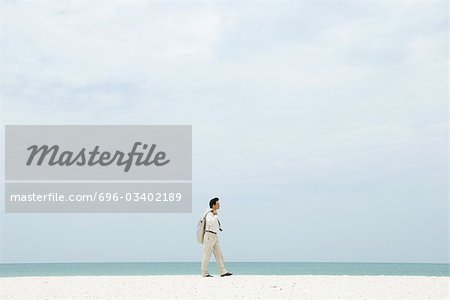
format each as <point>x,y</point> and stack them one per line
<point>83,44</point>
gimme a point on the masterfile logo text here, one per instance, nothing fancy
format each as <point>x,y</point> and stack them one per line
<point>68,158</point>
<point>100,162</point>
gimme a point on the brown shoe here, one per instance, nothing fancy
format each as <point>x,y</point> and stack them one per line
<point>208,275</point>
<point>226,274</point>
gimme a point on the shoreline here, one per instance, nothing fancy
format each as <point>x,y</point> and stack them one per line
<point>232,287</point>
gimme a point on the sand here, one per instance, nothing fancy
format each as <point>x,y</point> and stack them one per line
<point>233,287</point>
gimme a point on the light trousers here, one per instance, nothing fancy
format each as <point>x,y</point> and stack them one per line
<point>211,245</point>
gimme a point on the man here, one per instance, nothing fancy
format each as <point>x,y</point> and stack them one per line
<point>211,241</point>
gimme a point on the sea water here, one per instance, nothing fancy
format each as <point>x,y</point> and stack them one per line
<point>238,268</point>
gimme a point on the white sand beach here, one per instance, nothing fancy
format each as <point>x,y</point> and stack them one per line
<point>233,287</point>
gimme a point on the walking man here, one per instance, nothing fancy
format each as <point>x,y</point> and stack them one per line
<point>211,241</point>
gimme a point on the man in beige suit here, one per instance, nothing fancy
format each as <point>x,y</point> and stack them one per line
<point>211,241</point>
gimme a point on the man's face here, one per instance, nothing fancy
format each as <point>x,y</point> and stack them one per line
<point>216,206</point>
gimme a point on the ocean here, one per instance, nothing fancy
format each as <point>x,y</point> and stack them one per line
<point>238,268</point>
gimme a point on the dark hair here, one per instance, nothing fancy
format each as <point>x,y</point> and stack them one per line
<point>212,202</point>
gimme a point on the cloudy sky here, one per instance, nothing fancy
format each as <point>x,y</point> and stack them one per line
<point>321,125</point>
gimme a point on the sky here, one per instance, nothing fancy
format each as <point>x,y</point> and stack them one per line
<point>322,126</point>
